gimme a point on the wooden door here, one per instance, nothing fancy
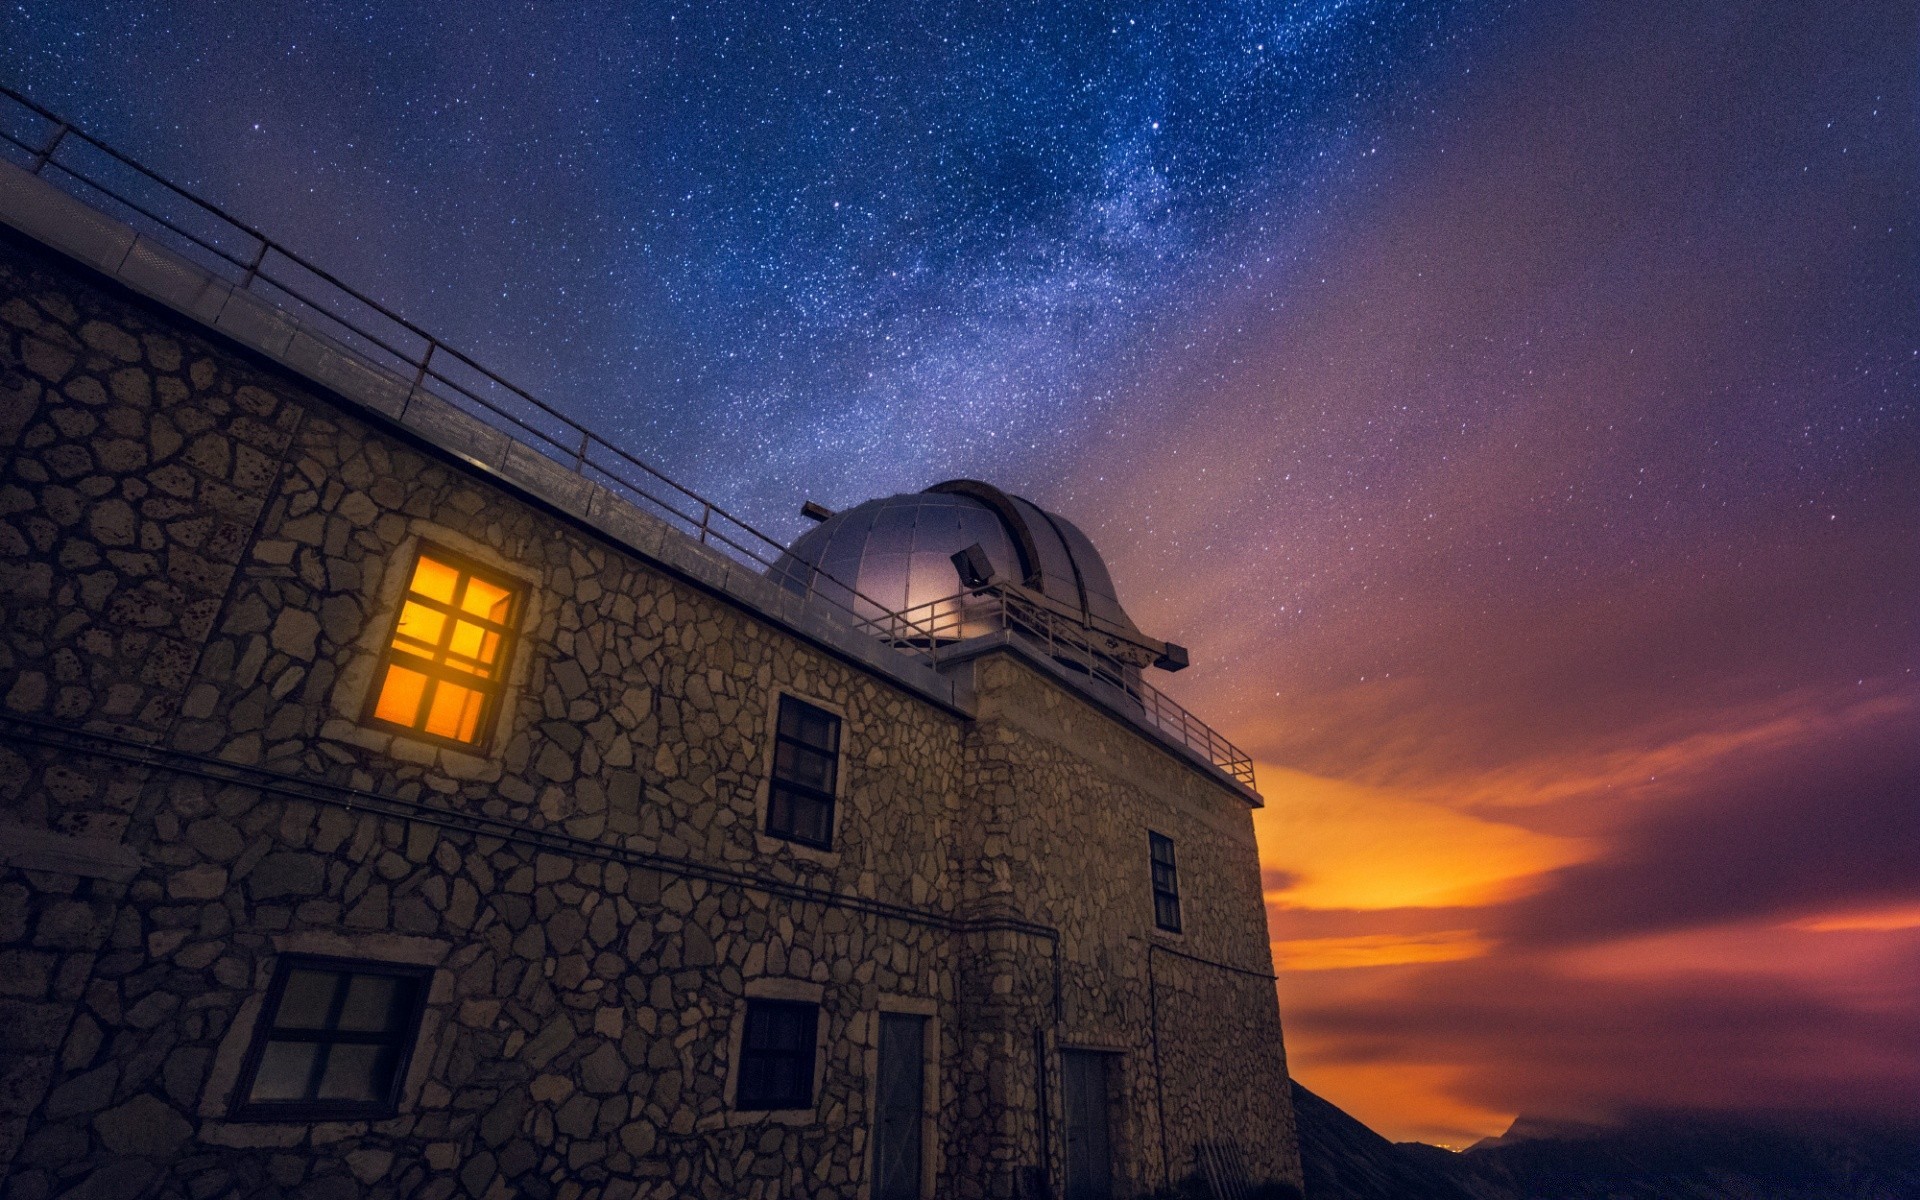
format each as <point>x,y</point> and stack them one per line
<point>901,1103</point>
<point>1089,1140</point>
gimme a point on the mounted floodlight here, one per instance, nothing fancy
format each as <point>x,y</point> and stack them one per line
<point>814,511</point>
<point>1173,659</point>
<point>976,570</point>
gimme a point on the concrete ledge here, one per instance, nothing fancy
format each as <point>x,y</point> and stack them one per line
<point>69,225</point>
<point>752,587</point>
<point>447,427</point>
<point>640,530</point>
<point>158,272</point>
<point>547,479</point>
<point>348,374</point>
<point>248,319</point>
<point>695,561</point>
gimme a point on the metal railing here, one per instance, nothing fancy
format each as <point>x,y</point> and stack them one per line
<point>1103,657</point>
<point>251,261</point>
<point>53,148</point>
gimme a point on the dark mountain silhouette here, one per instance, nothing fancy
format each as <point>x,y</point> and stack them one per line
<point>1651,1156</point>
<point>1344,1160</point>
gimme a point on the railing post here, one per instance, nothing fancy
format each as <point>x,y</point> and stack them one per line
<point>253,268</point>
<point>45,156</point>
<point>419,377</point>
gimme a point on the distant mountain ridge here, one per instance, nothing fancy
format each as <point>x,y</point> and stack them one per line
<point>1649,1157</point>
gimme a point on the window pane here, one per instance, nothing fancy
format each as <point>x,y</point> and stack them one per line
<point>470,718</point>
<point>400,696</point>
<point>783,1080</point>
<point>420,624</point>
<point>454,711</point>
<point>354,1073</point>
<point>435,579</point>
<point>467,638</point>
<point>306,1000</point>
<point>371,1004</point>
<point>808,768</point>
<point>759,1027</point>
<point>484,599</point>
<point>808,724</point>
<point>783,1030</point>
<point>799,816</point>
<point>1166,913</point>
<point>812,820</point>
<point>284,1070</point>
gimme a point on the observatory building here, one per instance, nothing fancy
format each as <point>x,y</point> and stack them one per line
<point>404,792</point>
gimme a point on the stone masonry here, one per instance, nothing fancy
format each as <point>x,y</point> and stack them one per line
<point>201,556</point>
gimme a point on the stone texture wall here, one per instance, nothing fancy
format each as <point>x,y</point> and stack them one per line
<point>586,1000</point>
<point>1070,796</point>
<point>202,558</point>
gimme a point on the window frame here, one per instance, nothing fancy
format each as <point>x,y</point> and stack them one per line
<point>1167,890</point>
<point>807,1055</point>
<point>492,691</point>
<point>829,798</point>
<point>405,1039</point>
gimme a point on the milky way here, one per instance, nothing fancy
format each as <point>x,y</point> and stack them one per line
<point>1513,405</point>
<point>864,248</point>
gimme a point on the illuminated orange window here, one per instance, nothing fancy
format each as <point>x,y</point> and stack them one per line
<point>444,666</point>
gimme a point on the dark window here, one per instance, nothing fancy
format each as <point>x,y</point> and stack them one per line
<point>1166,883</point>
<point>776,1055</point>
<point>333,1040</point>
<point>806,761</point>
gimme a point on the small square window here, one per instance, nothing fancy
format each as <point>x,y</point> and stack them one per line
<point>806,765</point>
<point>444,666</point>
<point>333,1040</point>
<point>776,1055</point>
<point>1166,882</point>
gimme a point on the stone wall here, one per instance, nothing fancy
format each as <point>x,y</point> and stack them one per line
<point>1071,795</point>
<point>202,559</point>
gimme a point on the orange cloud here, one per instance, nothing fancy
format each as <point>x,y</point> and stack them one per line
<point>1377,950</point>
<point>1885,920</point>
<point>1346,845</point>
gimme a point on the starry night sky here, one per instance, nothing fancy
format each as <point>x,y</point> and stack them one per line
<point>1513,405</point>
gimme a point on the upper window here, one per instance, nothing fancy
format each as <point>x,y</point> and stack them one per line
<point>1166,883</point>
<point>333,1040</point>
<point>806,765</point>
<point>442,672</point>
<point>776,1055</point>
